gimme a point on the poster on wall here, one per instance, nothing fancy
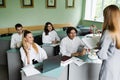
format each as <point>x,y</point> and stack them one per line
<point>2,3</point>
<point>27,3</point>
<point>51,3</point>
<point>70,3</point>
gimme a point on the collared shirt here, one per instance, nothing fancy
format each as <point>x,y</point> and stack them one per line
<point>40,56</point>
<point>16,40</point>
<point>50,37</point>
<point>69,46</point>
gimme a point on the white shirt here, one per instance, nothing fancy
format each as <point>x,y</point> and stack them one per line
<point>16,40</point>
<point>40,56</point>
<point>50,37</point>
<point>69,46</point>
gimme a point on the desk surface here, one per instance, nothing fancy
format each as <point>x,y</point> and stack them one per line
<point>58,71</point>
<point>88,60</point>
<point>55,73</point>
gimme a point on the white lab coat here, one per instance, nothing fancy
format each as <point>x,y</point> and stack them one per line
<point>50,37</point>
<point>16,40</point>
<point>40,56</point>
<point>69,46</point>
<point>110,69</point>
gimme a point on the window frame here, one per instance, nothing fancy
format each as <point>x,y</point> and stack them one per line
<point>90,17</point>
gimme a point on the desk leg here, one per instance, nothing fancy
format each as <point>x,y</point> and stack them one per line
<point>68,72</point>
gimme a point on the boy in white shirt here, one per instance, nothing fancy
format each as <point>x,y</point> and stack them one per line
<point>16,38</point>
<point>72,45</point>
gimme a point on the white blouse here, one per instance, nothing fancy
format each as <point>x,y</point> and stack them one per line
<point>69,46</point>
<point>50,37</point>
<point>16,40</point>
<point>40,56</point>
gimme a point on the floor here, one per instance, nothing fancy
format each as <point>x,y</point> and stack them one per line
<point>3,72</point>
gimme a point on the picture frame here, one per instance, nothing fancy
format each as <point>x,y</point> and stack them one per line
<point>51,3</point>
<point>27,3</point>
<point>2,3</point>
<point>70,3</point>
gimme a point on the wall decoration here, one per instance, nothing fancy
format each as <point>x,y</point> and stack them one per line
<point>27,3</point>
<point>51,3</point>
<point>2,4</point>
<point>70,3</point>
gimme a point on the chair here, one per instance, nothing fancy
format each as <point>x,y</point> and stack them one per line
<point>14,64</point>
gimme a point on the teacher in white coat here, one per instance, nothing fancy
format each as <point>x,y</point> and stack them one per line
<point>109,45</point>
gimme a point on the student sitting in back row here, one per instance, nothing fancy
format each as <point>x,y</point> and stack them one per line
<point>31,53</point>
<point>72,45</point>
<point>49,35</point>
<point>17,37</point>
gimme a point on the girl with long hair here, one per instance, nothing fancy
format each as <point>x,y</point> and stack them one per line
<point>30,51</point>
<point>109,45</point>
<point>50,35</point>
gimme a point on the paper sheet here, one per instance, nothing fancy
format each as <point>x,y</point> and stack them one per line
<point>75,60</point>
<point>78,61</point>
<point>30,70</point>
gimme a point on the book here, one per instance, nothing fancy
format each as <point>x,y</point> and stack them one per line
<point>65,60</point>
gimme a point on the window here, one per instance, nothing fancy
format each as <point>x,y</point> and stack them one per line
<point>94,9</point>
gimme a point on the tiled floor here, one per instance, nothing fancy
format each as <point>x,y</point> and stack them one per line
<point>3,72</point>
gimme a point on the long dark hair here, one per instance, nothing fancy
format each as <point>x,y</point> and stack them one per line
<point>46,27</point>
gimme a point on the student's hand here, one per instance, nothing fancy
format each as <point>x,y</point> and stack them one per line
<point>84,51</point>
<point>18,45</point>
<point>97,46</point>
<point>55,42</point>
<point>79,53</point>
<point>75,54</point>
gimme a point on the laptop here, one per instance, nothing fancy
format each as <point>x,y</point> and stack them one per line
<point>49,64</point>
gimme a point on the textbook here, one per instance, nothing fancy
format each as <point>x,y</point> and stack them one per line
<point>65,60</point>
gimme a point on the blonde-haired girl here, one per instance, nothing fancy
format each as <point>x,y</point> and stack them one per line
<point>30,51</point>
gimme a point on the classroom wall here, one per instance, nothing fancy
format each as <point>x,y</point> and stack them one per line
<point>13,13</point>
<point>87,22</point>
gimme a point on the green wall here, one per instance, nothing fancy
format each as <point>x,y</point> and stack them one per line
<point>13,13</point>
<point>86,22</point>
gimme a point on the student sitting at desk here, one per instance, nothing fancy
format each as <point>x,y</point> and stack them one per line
<point>17,37</point>
<point>31,53</point>
<point>71,44</point>
<point>49,35</point>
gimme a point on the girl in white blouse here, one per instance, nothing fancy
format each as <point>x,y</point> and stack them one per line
<point>30,51</point>
<point>49,35</point>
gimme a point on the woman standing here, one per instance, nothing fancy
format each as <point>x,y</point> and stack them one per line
<point>109,45</point>
<point>49,35</point>
<point>31,53</point>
